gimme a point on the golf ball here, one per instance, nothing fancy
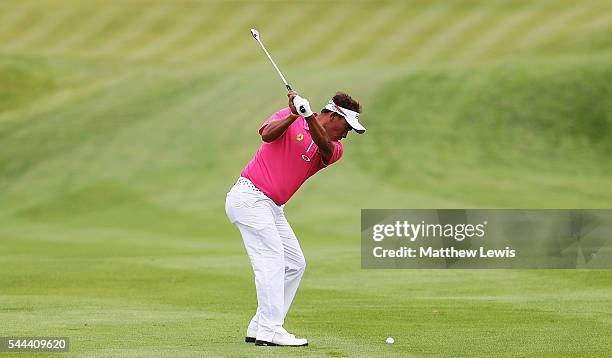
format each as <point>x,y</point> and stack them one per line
<point>390,340</point>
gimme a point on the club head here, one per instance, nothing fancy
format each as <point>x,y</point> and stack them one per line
<point>255,34</point>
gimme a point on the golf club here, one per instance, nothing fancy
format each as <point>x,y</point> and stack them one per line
<point>256,36</point>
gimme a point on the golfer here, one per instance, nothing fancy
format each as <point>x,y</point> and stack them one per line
<point>294,148</point>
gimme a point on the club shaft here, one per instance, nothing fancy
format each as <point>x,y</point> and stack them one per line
<point>274,64</point>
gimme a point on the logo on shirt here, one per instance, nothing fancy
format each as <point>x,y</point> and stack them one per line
<point>299,137</point>
<point>305,156</point>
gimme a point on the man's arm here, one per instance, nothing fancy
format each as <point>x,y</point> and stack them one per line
<point>318,133</point>
<point>275,129</point>
<point>320,137</point>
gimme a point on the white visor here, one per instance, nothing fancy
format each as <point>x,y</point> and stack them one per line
<point>351,117</point>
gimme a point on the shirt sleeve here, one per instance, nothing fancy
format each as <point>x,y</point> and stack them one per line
<point>336,154</point>
<point>283,113</point>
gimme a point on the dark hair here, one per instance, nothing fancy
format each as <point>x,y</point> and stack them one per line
<point>345,101</point>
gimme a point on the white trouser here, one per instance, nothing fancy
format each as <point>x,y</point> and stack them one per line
<point>274,251</point>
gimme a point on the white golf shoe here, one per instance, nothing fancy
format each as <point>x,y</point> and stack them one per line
<point>283,339</point>
<point>252,333</point>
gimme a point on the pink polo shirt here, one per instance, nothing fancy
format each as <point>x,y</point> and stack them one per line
<point>280,167</point>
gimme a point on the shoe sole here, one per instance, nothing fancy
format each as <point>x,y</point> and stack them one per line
<point>249,339</point>
<point>270,344</point>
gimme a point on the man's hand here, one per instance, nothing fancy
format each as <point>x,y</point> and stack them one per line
<point>319,135</point>
<point>292,95</point>
<point>303,106</point>
<point>298,105</point>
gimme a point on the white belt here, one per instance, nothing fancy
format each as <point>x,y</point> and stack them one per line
<point>246,182</point>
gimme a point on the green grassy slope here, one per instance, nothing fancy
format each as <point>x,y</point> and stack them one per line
<point>123,124</point>
<point>498,136</point>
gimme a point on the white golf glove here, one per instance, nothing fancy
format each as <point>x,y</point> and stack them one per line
<point>302,106</point>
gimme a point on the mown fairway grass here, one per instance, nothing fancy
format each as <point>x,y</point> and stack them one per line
<point>123,125</point>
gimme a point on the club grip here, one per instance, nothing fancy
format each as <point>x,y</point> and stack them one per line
<point>301,109</point>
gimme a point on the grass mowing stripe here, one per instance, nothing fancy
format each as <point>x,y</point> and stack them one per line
<point>427,28</point>
<point>12,14</point>
<point>79,15</point>
<point>475,49</point>
<point>589,16</point>
<point>138,157</point>
<point>14,27</point>
<point>188,112</point>
<point>202,103</point>
<point>63,87</point>
<point>554,24</point>
<point>90,168</point>
<point>38,33</point>
<point>489,23</point>
<point>575,28</point>
<point>138,24</point>
<point>382,50</point>
<point>153,30</point>
<point>339,16</point>
<point>186,27</point>
<point>275,36</point>
<point>600,21</point>
<point>378,24</point>
<point>450,33</point>
<point>119,312</point>
<point>112,27</point>
<point>315,37</point>
<point>60,98</point>
<point>96,20</point>
<point>91,111</point>
<point>205,47</point>
<point>507,44</point>
<point>273,25</point>
<point>203,31</point>
<point>70,240</point>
